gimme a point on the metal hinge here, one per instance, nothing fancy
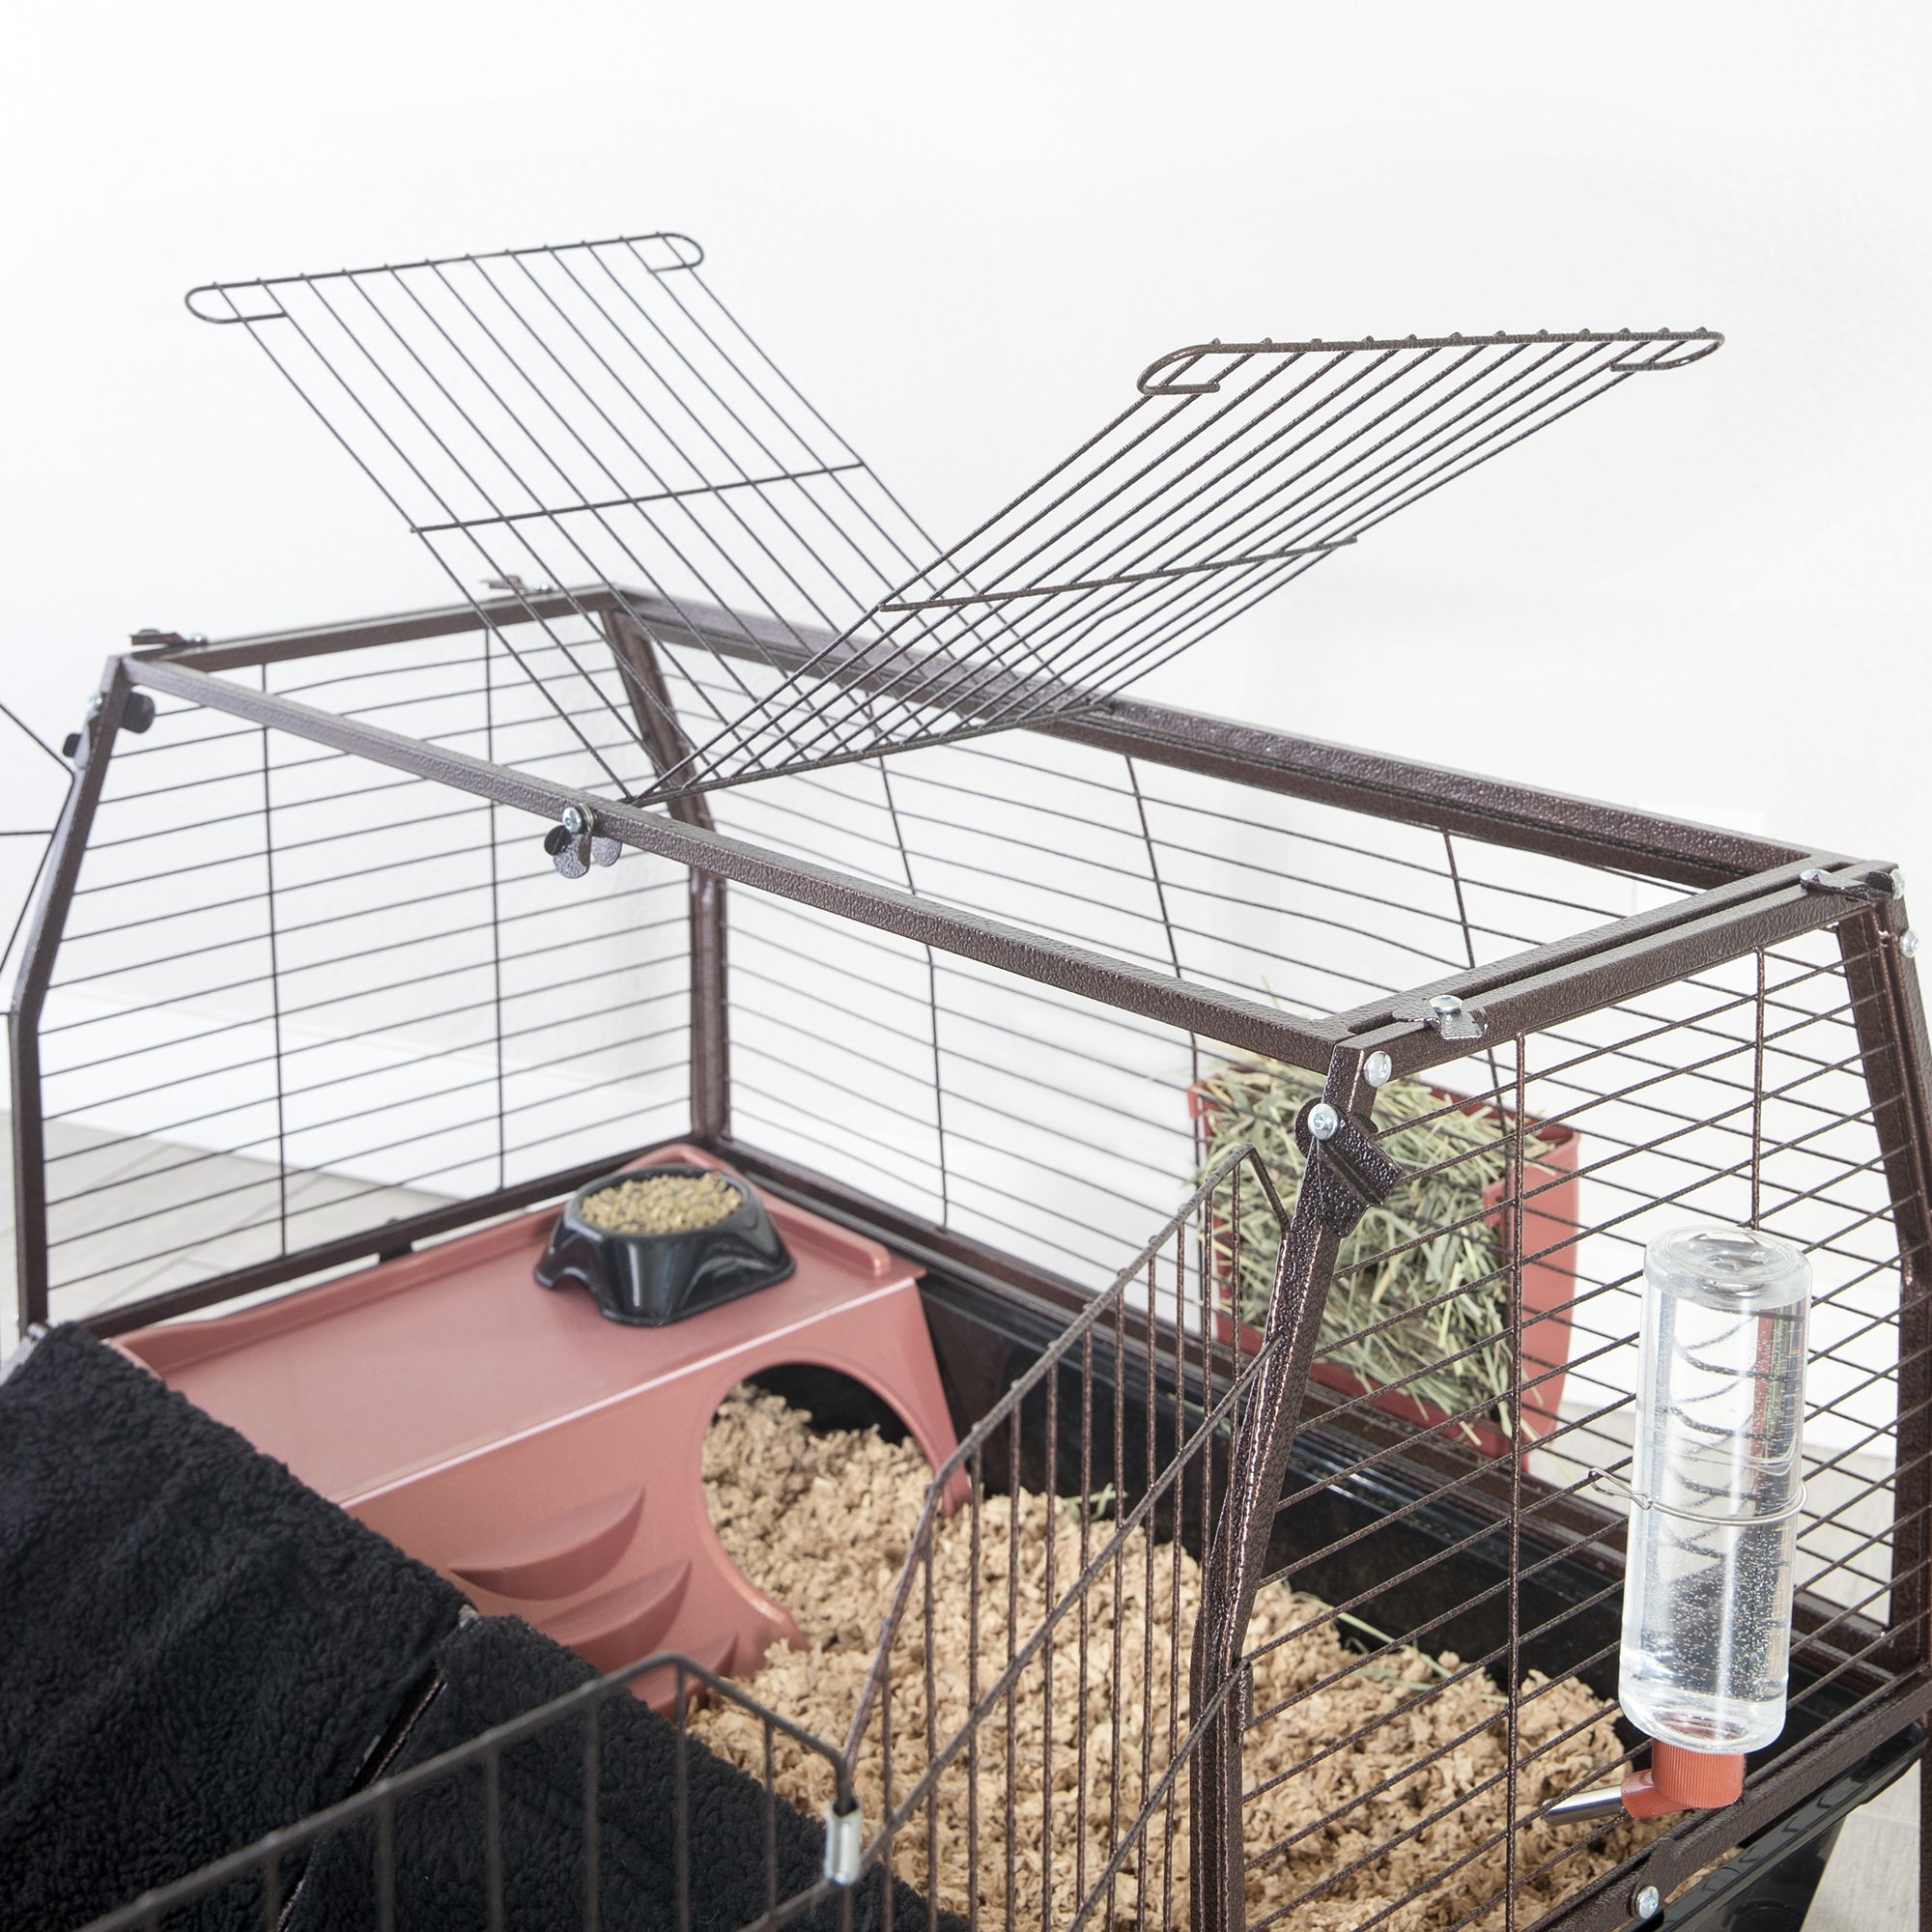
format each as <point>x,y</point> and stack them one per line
<point>1864,883</point>
<point>575,844</point>
<point>1447,1012</point>
<point>163,640</point>
<point>1346,1161</point>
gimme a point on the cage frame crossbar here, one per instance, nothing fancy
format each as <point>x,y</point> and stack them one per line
<point>1532,818</point>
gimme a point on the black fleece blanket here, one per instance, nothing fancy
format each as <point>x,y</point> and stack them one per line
<point>194,1648</point>
<point>493,1669</point>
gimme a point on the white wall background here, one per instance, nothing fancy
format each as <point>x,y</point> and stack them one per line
<point>965,229</point>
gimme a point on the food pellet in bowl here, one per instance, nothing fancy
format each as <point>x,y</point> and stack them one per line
<point>662,1203</point>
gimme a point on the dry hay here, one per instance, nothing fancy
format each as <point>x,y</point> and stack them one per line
<point>823,1523</point>
<point>1434,1246</point>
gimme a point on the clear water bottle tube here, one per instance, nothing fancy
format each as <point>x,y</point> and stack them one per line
<point>1715,1495</point>
<point>1715,1488</point>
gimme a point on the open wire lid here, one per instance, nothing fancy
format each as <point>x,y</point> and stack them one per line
<point>591,413</point>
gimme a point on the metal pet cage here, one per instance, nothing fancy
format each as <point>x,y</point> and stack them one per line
<point>744,814</point>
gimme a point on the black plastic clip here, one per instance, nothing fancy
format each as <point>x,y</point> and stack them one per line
<point>137,713</point>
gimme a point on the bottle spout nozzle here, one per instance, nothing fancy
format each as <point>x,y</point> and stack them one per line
<point>1677,1780</point>
<point>1606,1800</point>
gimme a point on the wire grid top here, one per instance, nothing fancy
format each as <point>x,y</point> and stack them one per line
<point>592,413</point>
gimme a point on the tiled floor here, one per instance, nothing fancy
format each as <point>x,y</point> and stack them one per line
<point>199,1213</point>
<point>1872,1882</point>
<point>1871,1886</point>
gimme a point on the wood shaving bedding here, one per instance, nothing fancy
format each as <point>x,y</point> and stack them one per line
<point>822,1523</point>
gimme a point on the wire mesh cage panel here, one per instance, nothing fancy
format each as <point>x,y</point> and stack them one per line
<point>1741,1097</point>
<point>1738,1094</point>
<point>343,1865</point>
<point>1021,1738</point>
<point>311,996</point>
<point>593,412</point>
<point>1045,1121</point>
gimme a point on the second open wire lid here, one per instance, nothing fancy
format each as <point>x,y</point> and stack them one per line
<point>591,416</point>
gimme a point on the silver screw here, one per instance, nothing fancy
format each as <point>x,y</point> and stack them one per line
<point>574,821</point>
<point>1445,1005</point>
<point>1897,885</point>
<point>1908,943</point>
<point>1812,875</point>
<point>1378,1069</point>
<point>1324,1121</point>
<point>1646,1901</point>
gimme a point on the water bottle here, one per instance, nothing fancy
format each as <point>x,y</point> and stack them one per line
<point>1715,1488</point>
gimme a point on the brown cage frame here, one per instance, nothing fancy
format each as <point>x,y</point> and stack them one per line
<point>1747,893</point>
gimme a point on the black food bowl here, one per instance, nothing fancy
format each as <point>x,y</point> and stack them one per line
<point>652,1279</point>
